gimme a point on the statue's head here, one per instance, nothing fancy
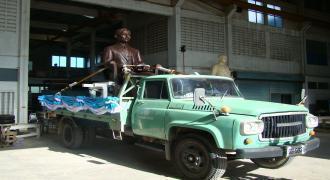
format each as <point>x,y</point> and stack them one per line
<point>223,59</point>
<point>123,35</point>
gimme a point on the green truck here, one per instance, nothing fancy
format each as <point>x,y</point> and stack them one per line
<point>199,121</point>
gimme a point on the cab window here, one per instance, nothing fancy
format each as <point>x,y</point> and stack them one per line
<point>155,90</point>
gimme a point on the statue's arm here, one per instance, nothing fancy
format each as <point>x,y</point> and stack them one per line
<point>139,57</point>
<point>107,55</point>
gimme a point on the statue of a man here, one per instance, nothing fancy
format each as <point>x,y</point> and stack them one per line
<point>221,69</point>
<point>121,53</point>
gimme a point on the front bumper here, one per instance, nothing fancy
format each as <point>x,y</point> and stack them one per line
<point>276,151</point>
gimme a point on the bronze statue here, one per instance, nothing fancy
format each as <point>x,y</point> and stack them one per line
<point>121,53</point>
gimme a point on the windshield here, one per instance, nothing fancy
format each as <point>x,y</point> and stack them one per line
<point>184,87</point>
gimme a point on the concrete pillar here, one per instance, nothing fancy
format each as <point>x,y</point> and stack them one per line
<point>228,32</point>
<point>68,55</point>
<point>267,39</point>
<point>174,38</point>
<point>92,50</point>
<point>304,29</point>
<point>23,60</point>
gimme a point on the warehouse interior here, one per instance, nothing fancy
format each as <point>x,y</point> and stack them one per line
<point>75,30</point>
<point>67,40</point>
<point>277,52</point>
<point>276,49</point>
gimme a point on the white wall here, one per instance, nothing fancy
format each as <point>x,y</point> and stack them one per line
<point>9,87</point>
<point>250,63</point>
<point>150,36</point>
<point>156,58</point>
<point>14,47</point>
<point>264,48</point>
<point>203,34</point>
<point>250,46</point>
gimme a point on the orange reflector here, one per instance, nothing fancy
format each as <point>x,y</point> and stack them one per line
<point>225,109</point>
<point>248,141</point>
<point>312,133</point>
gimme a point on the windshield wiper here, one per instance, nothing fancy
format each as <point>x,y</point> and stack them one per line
<point>223,95</point>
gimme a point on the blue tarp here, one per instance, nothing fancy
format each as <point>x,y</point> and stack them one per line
<point>96,105</point>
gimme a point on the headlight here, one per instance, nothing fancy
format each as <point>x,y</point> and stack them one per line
<point>312,121</point>
<point>252,127</point>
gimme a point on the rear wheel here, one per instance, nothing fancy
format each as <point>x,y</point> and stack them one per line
<point>196,158</point>
<point>89,136</point>
<point>272,163</point>
<point>72,137</point>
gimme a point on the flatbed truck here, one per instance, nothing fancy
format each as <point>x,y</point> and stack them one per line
<point>200,121</point>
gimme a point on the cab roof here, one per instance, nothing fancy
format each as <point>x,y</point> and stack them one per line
<point>171,76</point>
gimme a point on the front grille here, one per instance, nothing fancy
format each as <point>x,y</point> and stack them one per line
<point>283,125</point>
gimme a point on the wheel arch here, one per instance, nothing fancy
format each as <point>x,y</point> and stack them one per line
<point>210,132</point>
<point>175,131</point>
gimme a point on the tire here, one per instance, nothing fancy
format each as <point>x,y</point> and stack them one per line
<point>72,137</point>
<point>196,158</point>
<point>89,135</point>
<point>272,163</point>
<point>130,140</point>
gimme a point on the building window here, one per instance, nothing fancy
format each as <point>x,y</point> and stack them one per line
<point>77,62</point>
<point>318,85</point>
<point>256,16</point>
<point>36,89</point>
<point>98,59</point>
<point>316,52</point>
<point>281,98</point>
<point>274,20</point>
<point>312,85</point>
<point>58,61</point>
<point>323,85</point>
<point>315,4</point>
<point>88,63</point>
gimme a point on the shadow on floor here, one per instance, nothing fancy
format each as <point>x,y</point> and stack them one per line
<point>117,152</point>
<point>321,152</point>
<point>241,170</point>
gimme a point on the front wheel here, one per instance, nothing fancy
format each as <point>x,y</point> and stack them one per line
<point>272,163</point>
<point>196,158</point>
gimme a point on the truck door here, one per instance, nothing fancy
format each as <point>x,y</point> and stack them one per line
<point>150,108</point>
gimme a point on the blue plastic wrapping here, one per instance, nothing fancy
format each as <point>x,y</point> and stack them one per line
<point>96,105</point>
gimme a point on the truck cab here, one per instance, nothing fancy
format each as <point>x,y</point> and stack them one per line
<point>270,134</point>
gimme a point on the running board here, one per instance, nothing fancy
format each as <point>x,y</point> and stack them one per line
<point>153,147</point>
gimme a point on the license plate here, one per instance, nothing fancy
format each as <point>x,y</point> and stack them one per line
<point>294,150</point>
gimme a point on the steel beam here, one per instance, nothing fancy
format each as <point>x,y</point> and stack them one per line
<point>62,8</point>
<point>133,5</point>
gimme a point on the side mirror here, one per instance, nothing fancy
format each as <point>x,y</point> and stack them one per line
<point>198,93</point>
<point>303,94</point>
<point>303,97</point>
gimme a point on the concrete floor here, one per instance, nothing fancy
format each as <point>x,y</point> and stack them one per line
<point>45,158</point>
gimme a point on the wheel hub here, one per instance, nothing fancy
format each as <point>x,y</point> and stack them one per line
<point>192,160</point>
<point>68,134</point>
